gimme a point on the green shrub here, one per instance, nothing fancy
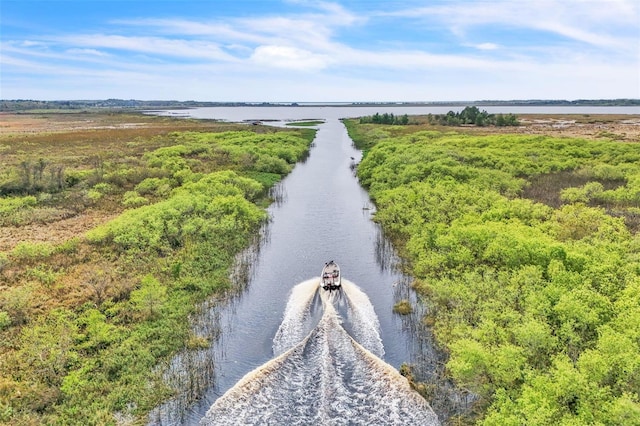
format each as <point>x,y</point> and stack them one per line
<point>4,260</point>
<point>18,302</point>
<point>104,188</point>
<point>169,158</point>
<point>267,180</point>
<point>403,307</point>
<point>122,177</point>
<point>213,207</point>
<point>94,195</point>
<point>269,164</point>
<point>69,246</point>
<point>31,251</point>
<point>131,199</point>
<point>150,297</point>
<point>11,207</point>
<point>160,187</point>
<point>45,275</point>
<point>5,320</point>
<point>75,177</point>
<point>44,197</point>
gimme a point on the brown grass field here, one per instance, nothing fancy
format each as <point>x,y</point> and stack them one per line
<point>80,141</point>
<point>588,126</point>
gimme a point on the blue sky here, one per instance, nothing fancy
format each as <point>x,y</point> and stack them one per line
<point>323,51</point>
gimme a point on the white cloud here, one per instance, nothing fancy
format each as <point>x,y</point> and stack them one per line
<point>600,23</point>
<point>486,46</point>
<point>195,49</point>
<point>289,57</point>
<point>270,57</point>
<point>90,52</point>
<point>31,43</point>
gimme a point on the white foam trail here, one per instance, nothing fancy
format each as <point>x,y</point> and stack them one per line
<point>327,378</point>
<point>362,316</point>
<point>296,322</point>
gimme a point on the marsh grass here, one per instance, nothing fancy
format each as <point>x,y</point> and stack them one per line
<point>310,123</point>
<point>86,322</point>
<point>548,189</point>
<point>403,307</point>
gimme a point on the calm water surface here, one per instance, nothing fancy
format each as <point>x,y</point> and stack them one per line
<point>324,215</point>
<point>288,113</point>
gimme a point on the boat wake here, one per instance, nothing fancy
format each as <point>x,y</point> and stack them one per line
<point>299,316</point>
<point>321,374</point>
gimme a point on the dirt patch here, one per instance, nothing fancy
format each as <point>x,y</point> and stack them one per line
<point>624,128</point>
<point>55,232</point>
<point>12,123</point>
<point>72,142</point>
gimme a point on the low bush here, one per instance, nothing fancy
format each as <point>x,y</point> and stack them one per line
<point>532,302</point>
<point>31,252</point>
<point>132,199</point>
<point>10,207</point>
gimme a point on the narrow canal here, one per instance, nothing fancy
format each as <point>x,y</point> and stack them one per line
<point>323,215</point>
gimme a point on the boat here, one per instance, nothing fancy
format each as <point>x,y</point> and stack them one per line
<point>331,279</point>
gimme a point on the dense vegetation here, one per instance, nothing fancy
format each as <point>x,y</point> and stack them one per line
<point>473,115</point>
<point>386,118</point>
<point>537,305</point>
<point>86,322</point>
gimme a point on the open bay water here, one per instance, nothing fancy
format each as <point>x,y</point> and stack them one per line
<point>290,113</point>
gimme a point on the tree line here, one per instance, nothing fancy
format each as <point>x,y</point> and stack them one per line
<point>472,115</point>
<point>385,118</point>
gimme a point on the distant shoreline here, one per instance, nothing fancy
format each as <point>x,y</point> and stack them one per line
<point>11,105</point>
